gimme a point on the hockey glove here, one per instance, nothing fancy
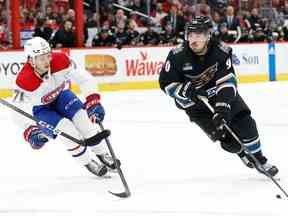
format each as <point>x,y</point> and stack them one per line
<point>94,108</point>
<point>220,118</point>
<point>189,91</point>
<point>35,137</point>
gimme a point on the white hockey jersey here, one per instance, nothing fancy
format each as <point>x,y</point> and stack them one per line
<point>61,74</point>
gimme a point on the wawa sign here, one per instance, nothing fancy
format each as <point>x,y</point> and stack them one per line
<point>145,64</point>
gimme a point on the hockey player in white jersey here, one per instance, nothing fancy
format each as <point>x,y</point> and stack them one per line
<point>45,80</point>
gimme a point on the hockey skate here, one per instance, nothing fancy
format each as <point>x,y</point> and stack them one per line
<point>96,168</point>
<point>108,161</point>
<point>247,161</point>
<point>267,168</point>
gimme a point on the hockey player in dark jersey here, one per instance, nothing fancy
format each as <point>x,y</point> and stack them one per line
<point>202,66</point>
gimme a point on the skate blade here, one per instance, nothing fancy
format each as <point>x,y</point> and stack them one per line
<point>276,178</point>
<point>112,170</point>
<point>102,177</point>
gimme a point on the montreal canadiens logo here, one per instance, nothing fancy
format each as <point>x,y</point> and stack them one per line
<point>51,96</point>
<point>167,66</point>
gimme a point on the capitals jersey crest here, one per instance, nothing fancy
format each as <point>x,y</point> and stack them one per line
<point>205,77</point>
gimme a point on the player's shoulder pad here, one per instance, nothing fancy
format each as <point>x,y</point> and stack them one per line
<point>27,79</point>
<point>178,49</point>
<point>224,48</point>
<point>59,61</point>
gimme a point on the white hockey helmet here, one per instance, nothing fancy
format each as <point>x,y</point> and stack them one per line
<point>36,46</point>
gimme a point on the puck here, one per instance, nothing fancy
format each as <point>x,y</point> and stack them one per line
<point>278,196</point>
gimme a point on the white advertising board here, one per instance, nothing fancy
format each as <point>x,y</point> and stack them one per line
<point>130,64</point>
<point>281,58</point>
<point>126,65</point>
<point>250,59</point>
<point>10,63</point>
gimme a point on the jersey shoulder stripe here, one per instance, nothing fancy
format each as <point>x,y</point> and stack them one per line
<point>27,79</point>
<point>179,48</point>
<point>224,48</point>
<point>59,61</point>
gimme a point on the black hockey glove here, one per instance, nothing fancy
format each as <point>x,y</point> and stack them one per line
<point>220,118</point>
<point>189,91</point>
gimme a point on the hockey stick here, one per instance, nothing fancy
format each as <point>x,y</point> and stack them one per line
<point>69,137</point>
<point>127,192</point>
<point>51,127</point>
<point>41,123</point>
<point>133,11</point>
<point>205,101</point>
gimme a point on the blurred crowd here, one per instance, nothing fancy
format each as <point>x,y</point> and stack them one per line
<point>146,22</point>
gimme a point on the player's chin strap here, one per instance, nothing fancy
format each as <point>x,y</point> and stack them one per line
<point>127,192</point>
<point>206,102</point>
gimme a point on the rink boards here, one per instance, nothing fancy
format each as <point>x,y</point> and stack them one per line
<point>138,68</point>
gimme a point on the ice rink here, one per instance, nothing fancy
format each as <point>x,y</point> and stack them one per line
<point>170,165</point>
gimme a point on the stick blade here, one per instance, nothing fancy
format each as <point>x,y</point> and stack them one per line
<point>125,194</point>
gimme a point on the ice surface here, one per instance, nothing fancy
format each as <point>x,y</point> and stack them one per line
<point>170,165</point>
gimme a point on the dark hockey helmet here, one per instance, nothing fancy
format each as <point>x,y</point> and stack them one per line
<point>199,24</point>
